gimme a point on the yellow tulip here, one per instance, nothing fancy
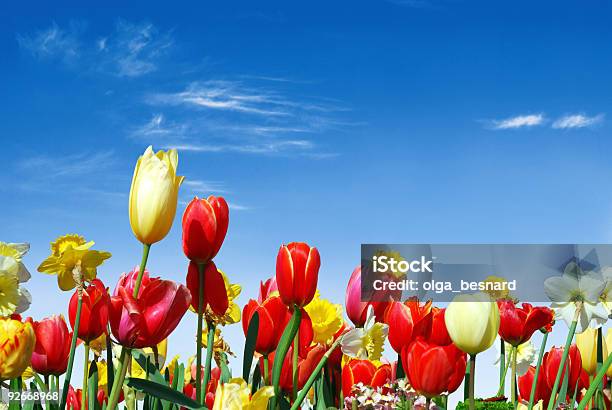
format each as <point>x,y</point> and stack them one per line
<point>17,342</point>
<point>608,342</point>
<point>587,346</point>
<point>236,395</point>
<point>472,321</point>
<point>154,194</point>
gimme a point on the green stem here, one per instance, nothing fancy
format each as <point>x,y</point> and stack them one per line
<point>568,342</point>
<point>534,384</point>
<point>209,353</point>
<point>472,378</point>
<point>281,351</point>
<point>466,383</point>
<point>502,365</point>
<point>595,383</point>
<point>513,380</point>
<point>143,264</point>
<point>313,376</point>
<point>199,395</point>
<point>266,365</point>
<point>85,376</point>
<point>296,351</point>
<point>502,387</point>
<point>600,353</point>
<point>75,332</point>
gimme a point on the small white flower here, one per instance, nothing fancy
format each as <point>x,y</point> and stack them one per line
<point>525,356</point>
<point>366,342</point>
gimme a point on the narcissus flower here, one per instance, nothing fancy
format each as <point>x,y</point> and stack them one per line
<point>205,224</point>
<point>94,312</point>
<point>517,325</point>
<point>68,252</point>
<point>297,272</point>
<point>326,319</point>
<point>525,355</point>
<point>148,319</point>
<point>13,297</point>
<point>433,370</point>
<point>50,356</point>
<point>236,395</point>
<point>366,342</point>
<point>472,321</point>
<point>406,321</point>
<point>587,346</point>
<point>17,342</point>
<point>154,195</point>
<point>363,371</point>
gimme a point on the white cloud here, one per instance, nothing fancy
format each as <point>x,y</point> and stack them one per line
<point>271,147</point>
<point>159,128</point>
<point>204,187</point>
<point>519,121</point>
<point>51,166</point>
<point>577,121</point>
<point>51,43</point>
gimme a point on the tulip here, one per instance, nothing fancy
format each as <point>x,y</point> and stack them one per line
<point>525,383</point>
<point>305,367</point>
<point>587,346</point>
<point>356,308</point>
<point>205,224</point>
<point>472,322</point>
<point>267,289</point>
<point>608,342</point>
<point>517,325</point>
<point>154,195</point>
<point>148,319</point>
<point>50,356</point>
<point>439,334</point>
<point>236,395</point>
<point>406,321</point>
<point>363,371</point>
<point>94,313</point>
<point>551,362</point>
<point>297,270</point>
<point>433,370</point>
<point>17,341</point>
<point>215,293</point>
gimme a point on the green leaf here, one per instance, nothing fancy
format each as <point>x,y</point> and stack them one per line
<point>400,368</point>
<point>256,381</point>
<point>321,402</point>
<point>283,347</point>
<point>249,346</point>
<point>147,366</point>
<point>226,373</point>
<point>15,386</point>
<point>92,387</point>
<point>161,391</point>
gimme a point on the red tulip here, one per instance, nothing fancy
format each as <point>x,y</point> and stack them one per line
<point>52,348</point>
<point>147,320</point>
<point>94,312</point>
<point>306,366</point>
<point>73,400</point>
<point>432,369</point>
<point>267,288</point>
<point>215,293</point>
<point>273,318</point>
<point>407,321</point>
<point>363,371</point>
<point>552,360</point>
<point>357,309</point>
<point>297,271</point>
<point>205,224</point>
<point>517,325</point>
<point>439,334</point>
<point>526,381</point>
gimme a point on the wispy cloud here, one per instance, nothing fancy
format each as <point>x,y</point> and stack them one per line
<point>204,187</point>
<point>260,148</point>
<point>50,167</point>
<point>520,121</point>
<point>159,128</point>
<point>52,42</point>
<point>577,121</point>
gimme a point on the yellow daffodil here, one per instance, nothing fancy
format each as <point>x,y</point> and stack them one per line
<point>17,342</point>
<point>391,254</point>
<point>102,375</point>
<point>69,252</point>
<point>366,342</point>
<point>219,344</point>
<point>154,195</point>
<point>171,365</point>
<point>236,395</point>
<point>587,346</point>
<point>13,297</point>
<point>162,350</point>
<point>472,321</point>
<point>503,293</point>
<point>326,319</point>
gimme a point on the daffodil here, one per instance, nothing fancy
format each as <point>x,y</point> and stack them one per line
<point>236,395</point>
<point>102,375</point>
<point>525,354</point>
<point>13,297</point>
<point>326,318</point>
<point>577,288</point>
<point>148,352</point>
<point>366,342</point>
<point>69,252</point>
<point>219,344</point>
<point>171,366</point>
<point>503,293</point>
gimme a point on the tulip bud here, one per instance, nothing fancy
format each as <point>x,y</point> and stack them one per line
<point>297,271</point>
<point>154,194</point>
<point>587,346</point>
<point>205,224</point>
<point>472,321</point>
<point>17,342</point>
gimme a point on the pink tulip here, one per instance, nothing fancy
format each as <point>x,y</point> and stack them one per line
<point>356,308</point>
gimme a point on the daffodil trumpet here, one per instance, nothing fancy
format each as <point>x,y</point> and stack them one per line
<point>568,342</point>
<point>537,370</point>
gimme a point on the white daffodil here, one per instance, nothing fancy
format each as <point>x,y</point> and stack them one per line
<point>366,342</point>
<point>13,297</point>
<point>606,295</point>
<point>524,358</point>
<point>572,287</point>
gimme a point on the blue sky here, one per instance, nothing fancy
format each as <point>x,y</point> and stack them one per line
<point>334,123</point>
